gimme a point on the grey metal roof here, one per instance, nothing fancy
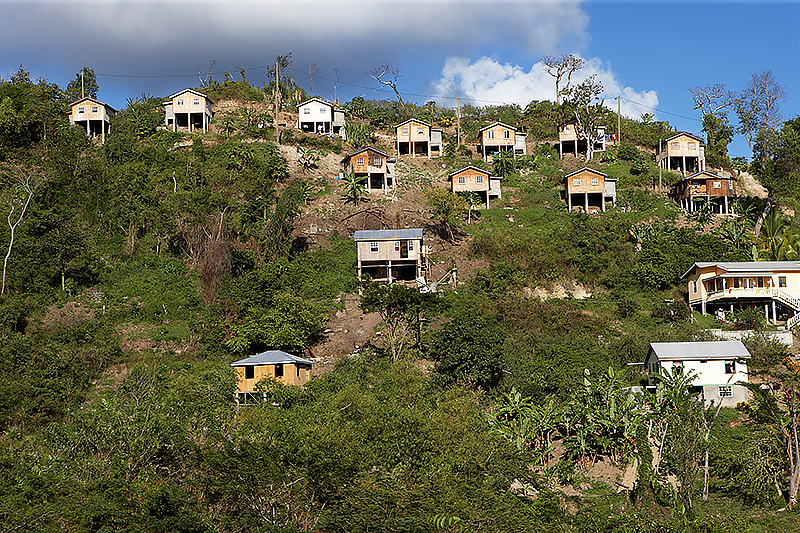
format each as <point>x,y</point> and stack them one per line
<point>682,351</point>
<point>271,357</point>
<point>387,234</point>
<point>749,267</point>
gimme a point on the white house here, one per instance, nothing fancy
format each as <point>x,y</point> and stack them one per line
<point>720,367</point>
<point>189,110</point>
<point>318,116</point>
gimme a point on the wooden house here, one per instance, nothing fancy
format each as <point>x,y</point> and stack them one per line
<point>474,179</point>
<point>590,189</point>
<point>416,137</point>
<point>773,286</point>
<point>318,116</point>
<point>720,368</point>
<point>499,137</point>
<point>683,152</point>
<point>284,367</point>
<point>94,115</point>
<point>570,143</point>
<point>374,167</point>
<point>390,255</point>
<point>705,188</point>
<point>188,110</point>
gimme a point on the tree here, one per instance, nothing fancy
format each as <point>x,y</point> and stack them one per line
<point>776,159</point>
<point>758,105</point>
<point>353,187</point>
<point>712,99</point>
<point>84,85</point>
<point>713,102</point>
<point>584,102</point>
<point>21,187</point>
<point>386,74</point>
<point>558,67</point>
<point>470,348</point>
<point>446,206</point>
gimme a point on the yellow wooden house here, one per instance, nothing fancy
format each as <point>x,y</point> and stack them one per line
<point>498,137</point>
<point>188,110</point>
<point>569,142</point>
<point>415,137</point>
<point>683,152</point>
<point>590,189</point>
<point>94,115</point>
<point>284,367</point>
<point>474,179</point>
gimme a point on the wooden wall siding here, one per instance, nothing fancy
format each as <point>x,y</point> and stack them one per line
<point>705,187</point>
<point>368,165</point>
<point>88,114</point>
<point>680,146</point>
<point>386,251</point>
<point>293,374</point>
<point>498,139</point>
<point>413,134</point>
<point>566,132</point>
<point>192,103</point>
<point>470,181</point>
<point>585,185</point>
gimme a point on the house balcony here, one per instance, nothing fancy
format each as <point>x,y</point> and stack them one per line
<point>754,292</point>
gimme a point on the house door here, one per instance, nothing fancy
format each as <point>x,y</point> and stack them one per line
<point>404,249</point>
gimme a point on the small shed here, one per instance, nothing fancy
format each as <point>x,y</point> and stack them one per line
<point>284,367</point>
<point>721,367</point>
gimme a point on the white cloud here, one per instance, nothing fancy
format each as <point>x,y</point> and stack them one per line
<point>487,81</point>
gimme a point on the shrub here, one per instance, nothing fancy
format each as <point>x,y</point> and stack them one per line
<point>627,152</point>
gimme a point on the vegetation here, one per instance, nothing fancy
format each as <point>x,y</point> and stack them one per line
<point>136,271</point>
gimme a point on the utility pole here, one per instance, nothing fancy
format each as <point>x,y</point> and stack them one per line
<point>458,124</point>
<point>82,90</point>
<point>659,167</point>
<point>619,122</point>
<point>277,102</point>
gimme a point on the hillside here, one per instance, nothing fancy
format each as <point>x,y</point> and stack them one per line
<point>143,267</point>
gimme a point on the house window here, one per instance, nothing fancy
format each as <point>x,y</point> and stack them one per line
<point>420,132</point>
<point>677,367</point>
<point>717,184</point>
<point>694,286</point>
<point>725,391</point>
<point>462,180</point>
<point>490,134</point>
<point>655,368</point>
<point>691,146</point>
<point>781,281</point>
<point>249,372</point>
<point>566,129</point>
<point>297,371</point>
<point>359,160</point>
<point>595,180</point>
<point>396,246</point>
<point>306,110</point>
<point>730,367</point>
<point>576,181</point>
<point>760,283</point>
<point>405,131</point>
<point>80,110</point>
<point>196,101</point>
<point>180,101</point>
<point>373,247</point>
<point>322,110</point>
<point>506,134</point>
<point>676,146</point>
<point>478,179</point>
<point>279,370</point>
<point>94,109</point>
<point>410,246</point>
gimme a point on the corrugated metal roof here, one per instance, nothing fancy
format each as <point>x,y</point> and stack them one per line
<point>682,351</point>
<point>746,267</point>
<point>271,357</point>
<point>387,234</point>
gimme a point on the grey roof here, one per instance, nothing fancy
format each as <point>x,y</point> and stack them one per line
<point>365,149</point>
<point>271,357</point>
<point>681,351</point>
<point>387,234</point>
<point>749,267</point>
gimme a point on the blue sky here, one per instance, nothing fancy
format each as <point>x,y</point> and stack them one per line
<point>485,52</point>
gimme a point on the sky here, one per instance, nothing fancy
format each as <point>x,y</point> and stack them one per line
<point>486,52</point>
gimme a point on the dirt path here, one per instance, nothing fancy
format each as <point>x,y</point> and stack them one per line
<point>749,185</point>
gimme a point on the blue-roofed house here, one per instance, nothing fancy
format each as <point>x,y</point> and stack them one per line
<point>390,255</point>
<point>720,366</point>
<point>284,367</point>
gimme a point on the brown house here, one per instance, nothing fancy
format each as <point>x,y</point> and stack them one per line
<point>692,192</point>
<point>474,179</point>
<point>188,110</point>
<point>94,115</point>
<point>683,152</point>
<point>374,167</point>
<point>390,255</point>
<point>416,137</point>
<point>590,189</point>
<point>284,367</point>
<point>568,141</point>
<point>499,137</point>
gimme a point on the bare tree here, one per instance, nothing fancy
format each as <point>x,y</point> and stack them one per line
<point>312,73</point>
<point>386,74</point>
<point>558,67</point>
<point>712,99</point>
<point>206,80</point>
<point>587,108</point>
<point>21,187</point>
<point>758,105</point>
